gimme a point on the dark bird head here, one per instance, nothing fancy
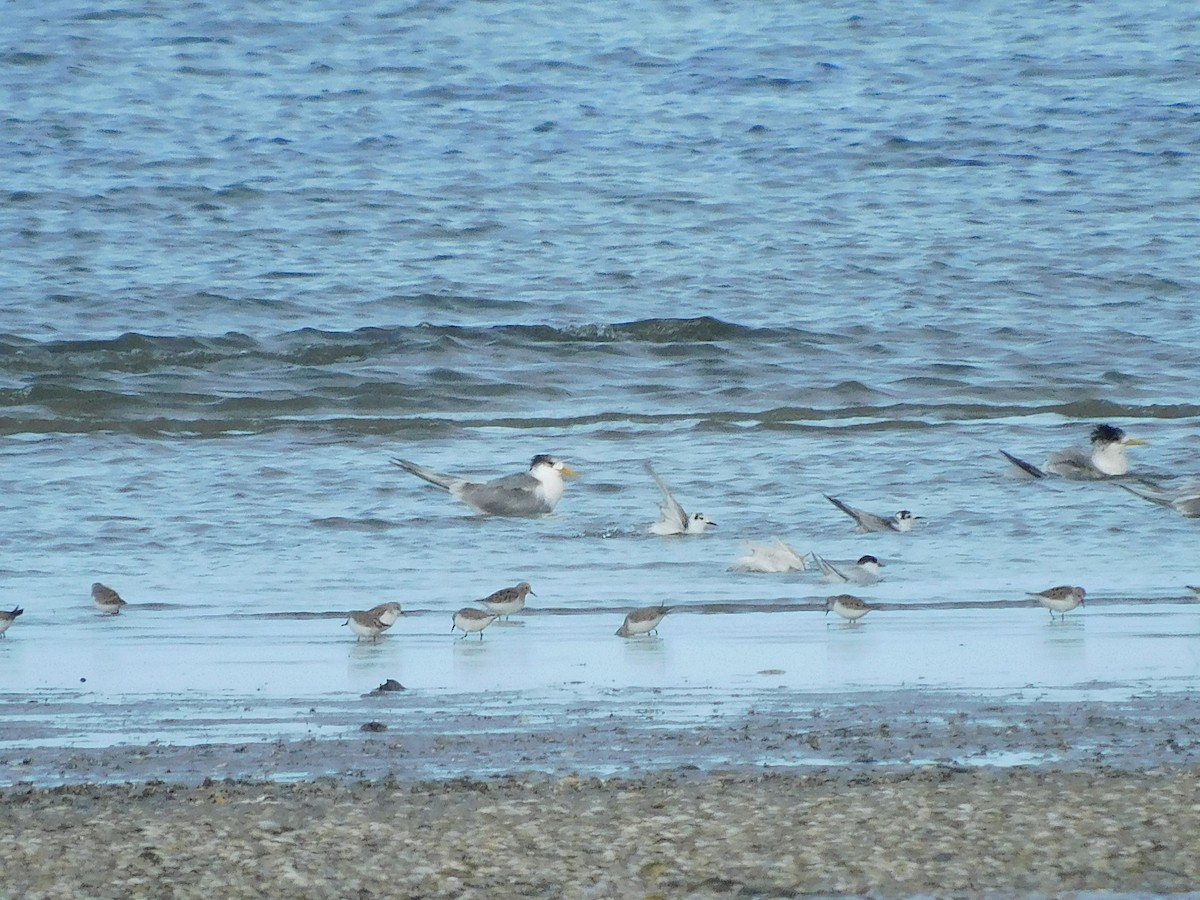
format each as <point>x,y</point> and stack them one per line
<point>1107,434</point>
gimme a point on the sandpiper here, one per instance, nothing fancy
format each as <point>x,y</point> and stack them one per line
<point>509,600</point>
<point>106,599</point>
<point>6,619</point>
<point>469,620</point>
<point>642,621</point>
<point>365,624</point>
<point>848,607</point>
<point>386,613</point>
<point>1060,599</point>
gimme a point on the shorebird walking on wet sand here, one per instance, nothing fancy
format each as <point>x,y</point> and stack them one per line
<point>6,619</point>
<point>902,521</point>
<point>525,494</point>
<point>1061,599</point>
<point>469,620</point>
<point>642,621</point>
<point>365,624</point>
<point>386,613</point>
<point>848,607</point>
<point>509,600</point>
<point>107,600</point>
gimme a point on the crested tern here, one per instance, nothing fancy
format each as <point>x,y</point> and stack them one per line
<point>1060,599</point>
<point>864,572</point>
<point>509,600</point>
<point>901,521</point>
<point>1184,500</point>
<point>469,620</point>
<point>1105,459</point>
<point>525,494</point>
<point>673,520</point>
<point>107,600</point>
<point>642,621</point>
<point>6,619</point>
<point>848,607</point>
<point>773,557</point>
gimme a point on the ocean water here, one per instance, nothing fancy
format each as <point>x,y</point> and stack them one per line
<point>253,252</point>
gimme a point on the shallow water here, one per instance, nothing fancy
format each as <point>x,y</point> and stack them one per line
<point>782,252</point>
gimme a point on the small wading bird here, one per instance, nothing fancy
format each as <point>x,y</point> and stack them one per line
<point>1105,459</point>
<point>865,571</point>
<point>848,607</point>
<point>365,624</point>
<point>642,621</point>
<point>526,494</point>
<point>386,613</point>
<point>468,620</point>
<point>6,619</point>
<point>509,600</point>
<point>902,521</point>
<point>673,520</point>
<point>107,600</point>
<point>1061,599</point>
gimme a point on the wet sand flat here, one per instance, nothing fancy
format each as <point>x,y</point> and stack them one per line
<point>887,794</point>
<point>935,830</point>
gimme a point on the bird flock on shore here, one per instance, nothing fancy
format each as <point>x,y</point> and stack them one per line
<point>537,492</point>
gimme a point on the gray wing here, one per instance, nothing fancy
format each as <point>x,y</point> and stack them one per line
<point>866,521</point>
<point>831,572</point>
<point>1185,501</point>
<point>1028,468</point>
<point>671,510</point>
<point>1071,463</point>
<point>439,479</point>
<point>512,495</point>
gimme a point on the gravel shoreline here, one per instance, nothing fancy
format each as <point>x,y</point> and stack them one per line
<point>933,830</point>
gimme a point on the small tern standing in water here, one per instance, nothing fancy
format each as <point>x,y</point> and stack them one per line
<point>642,621</point>
<point>865,571</point>
<point>901,521</point>
<point>6,619</point>
<point>673,519</point>
<point>1061,599</point>
<point>468,620</point>
<point>1105,459</point>
<point>773,557</point>
<point>509,600</point>
<point>526,494</point>
<point>107,600</point>
<point>848,607</point>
